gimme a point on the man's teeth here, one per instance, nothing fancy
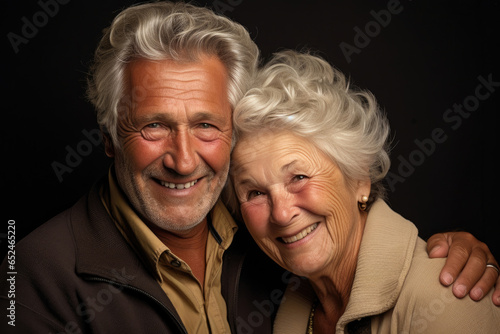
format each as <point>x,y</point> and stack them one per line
<point>178,185</point>
<point>300,235</point>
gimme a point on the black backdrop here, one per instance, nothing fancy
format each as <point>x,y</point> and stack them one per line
<point>431,64</point>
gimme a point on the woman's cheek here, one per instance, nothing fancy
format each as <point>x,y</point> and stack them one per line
<point>324,198</point>
<point>256,219</point>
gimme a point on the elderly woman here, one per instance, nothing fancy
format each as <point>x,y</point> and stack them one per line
<point>307,170</point>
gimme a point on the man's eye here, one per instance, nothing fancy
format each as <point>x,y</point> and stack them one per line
<point>154,131</point>
<point>206,126</point>
<point>206,131</point>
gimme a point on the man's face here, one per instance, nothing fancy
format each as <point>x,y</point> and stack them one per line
<point>175,141</point>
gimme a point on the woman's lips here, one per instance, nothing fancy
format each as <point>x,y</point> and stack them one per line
<point>301,235</point>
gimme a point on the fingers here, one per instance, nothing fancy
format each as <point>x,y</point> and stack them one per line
<point>456,246</point>
<point>496,293</point>
<point>437,245</point>
<point>477,278</point>
<point>464,263</point>
<point>474,275</point>
<point>481,288</point>
<point>465,266</point>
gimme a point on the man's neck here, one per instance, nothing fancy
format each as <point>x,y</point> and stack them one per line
<point>190,246</point>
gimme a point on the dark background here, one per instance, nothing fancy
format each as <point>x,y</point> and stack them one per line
<point>427,59</point>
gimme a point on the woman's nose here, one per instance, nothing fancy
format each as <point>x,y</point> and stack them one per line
<point>283,208</point>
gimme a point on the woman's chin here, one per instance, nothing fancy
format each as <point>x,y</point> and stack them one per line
<point>305,266</point>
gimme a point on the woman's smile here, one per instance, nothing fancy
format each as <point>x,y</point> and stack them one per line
<point>299,236</point>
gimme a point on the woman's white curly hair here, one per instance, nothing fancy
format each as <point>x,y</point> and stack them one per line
<point>304,94</point>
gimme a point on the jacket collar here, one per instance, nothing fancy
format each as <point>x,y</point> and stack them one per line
<point>100,248</point>
<point>103,254</point>
<point>384,260</point>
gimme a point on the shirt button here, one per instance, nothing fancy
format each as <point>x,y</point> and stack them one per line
<point>175,263</point>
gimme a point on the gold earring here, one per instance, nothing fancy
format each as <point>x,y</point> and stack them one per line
<point>362,205</point>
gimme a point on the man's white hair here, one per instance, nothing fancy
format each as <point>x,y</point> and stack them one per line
<point>165,30</point>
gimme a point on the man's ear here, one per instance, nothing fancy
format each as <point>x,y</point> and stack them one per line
<point>109,148</point>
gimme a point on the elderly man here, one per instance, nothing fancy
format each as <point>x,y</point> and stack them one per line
<point>151,248</point>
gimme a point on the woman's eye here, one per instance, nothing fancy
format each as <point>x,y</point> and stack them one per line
<point>299,177</point>
<point>297,182</point>
<point>254,193</point>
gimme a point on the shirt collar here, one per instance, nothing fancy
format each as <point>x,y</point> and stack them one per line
<point>140,237</point>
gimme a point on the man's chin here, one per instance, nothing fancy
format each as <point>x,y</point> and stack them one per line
<point>179,214</point>
<point>180,219</point>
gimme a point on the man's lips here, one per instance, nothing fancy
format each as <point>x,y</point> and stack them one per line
<point>301,235</point>
<point>179,186</point>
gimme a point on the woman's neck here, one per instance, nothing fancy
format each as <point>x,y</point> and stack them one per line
<point>333,292</point>
<point>333,286</point>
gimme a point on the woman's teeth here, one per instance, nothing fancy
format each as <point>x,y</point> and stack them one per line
<point>178,185</point>
<point>300,235</point>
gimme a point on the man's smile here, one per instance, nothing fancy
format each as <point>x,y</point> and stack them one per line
<point>179,186</point>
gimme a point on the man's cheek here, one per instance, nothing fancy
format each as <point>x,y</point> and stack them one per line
<point>143,152</point>
<point>217,155</point>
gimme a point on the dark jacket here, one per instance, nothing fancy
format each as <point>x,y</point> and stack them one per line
<point>77,274</point>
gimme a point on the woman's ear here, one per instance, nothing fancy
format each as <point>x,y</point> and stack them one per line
<point>364,188</point>
<point>109,148</point>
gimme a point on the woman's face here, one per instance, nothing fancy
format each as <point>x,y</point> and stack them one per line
<point>295,202</point>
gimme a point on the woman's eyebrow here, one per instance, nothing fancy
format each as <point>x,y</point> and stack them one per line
<point>238,170</point>
<point>248,181</point>
<point>244,183</point>
<point>289,165</point>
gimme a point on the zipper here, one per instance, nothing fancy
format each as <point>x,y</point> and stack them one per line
<point>145,293</point>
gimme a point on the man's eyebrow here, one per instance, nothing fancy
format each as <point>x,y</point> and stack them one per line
<point>202,115</point>
<point>155,116</point>
<point>167,118</point>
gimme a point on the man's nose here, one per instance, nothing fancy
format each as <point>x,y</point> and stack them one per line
<point>181,155</point>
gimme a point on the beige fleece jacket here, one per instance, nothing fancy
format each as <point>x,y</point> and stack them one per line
<point>397,285</point>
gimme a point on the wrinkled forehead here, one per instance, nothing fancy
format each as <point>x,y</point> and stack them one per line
<point>251,145</point>
<point>266,149</point>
